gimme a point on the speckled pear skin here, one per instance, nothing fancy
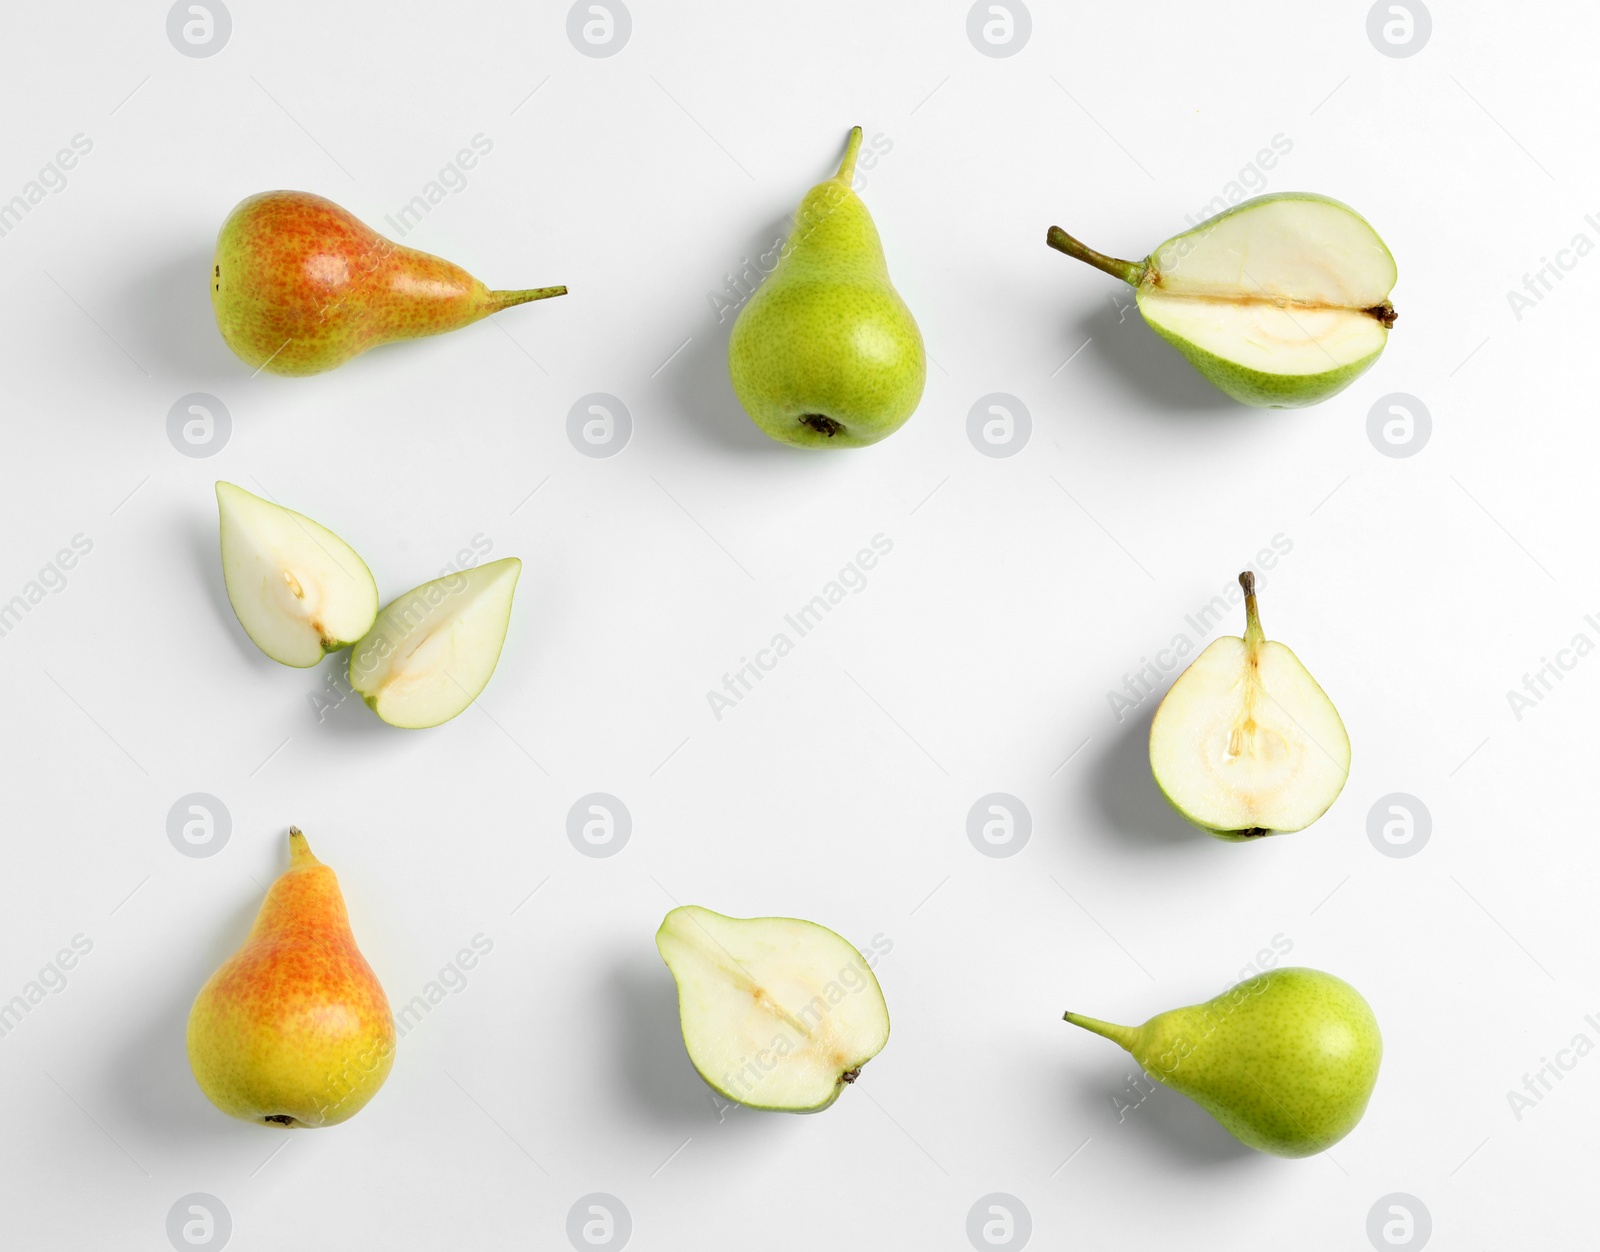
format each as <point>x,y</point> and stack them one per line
<point>300,285</point>
<point>294,1029</point>
<point>826,353</point>
<point>1286,1061</point>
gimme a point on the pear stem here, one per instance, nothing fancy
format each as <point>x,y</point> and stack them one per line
<point>506,299</point>
<point>1131,272</point>
<point>299,849</point>
<point>852,148</point>
<point>1253,635</point>
<point>1122,1036</point>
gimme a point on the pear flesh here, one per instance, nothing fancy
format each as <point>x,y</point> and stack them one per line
<point>298,590</point>
<point>1286,1061</point>
<point>776,1013</point>
<point>294,1029</point>
<point>432,651</point>
<point>826,353</point>
<point>1246,743</point>
<point>1282,301</point>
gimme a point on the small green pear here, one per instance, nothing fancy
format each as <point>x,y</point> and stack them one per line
<point>293,1029</point>
<point>1246,743</point>
<point>1281,301</point>
<point>1286,1061</point>
<point>300,285</point>
<point>825,353</point>
<point>777,1013</point>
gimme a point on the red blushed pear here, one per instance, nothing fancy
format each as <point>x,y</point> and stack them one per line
<point>300,285</point>
<point>294,1029</point>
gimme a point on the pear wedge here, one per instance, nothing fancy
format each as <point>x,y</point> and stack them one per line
<point>776,1013</point>
<point>1246,743</point>
<point>298,589</point>
<point>1281,302</point>
<point>432,651</point>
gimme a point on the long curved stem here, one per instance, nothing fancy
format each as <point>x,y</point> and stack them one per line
<point>1131,272</point>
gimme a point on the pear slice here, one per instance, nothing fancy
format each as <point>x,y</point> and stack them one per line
<point>298,589</point>
<point>1282,301</point>
<point>432,651</point>
<point>1245,743</point>
<point>776,1013</point>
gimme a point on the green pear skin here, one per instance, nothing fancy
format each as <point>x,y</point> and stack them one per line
<point>300,285</point>
<point>826,353</point>
<point>1286,1061</point>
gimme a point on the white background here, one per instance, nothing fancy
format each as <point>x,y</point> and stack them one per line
<point>978,658</point>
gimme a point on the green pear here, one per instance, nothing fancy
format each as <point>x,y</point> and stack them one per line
<point>294,1029</point>
<point>1286,1061</point>
<point>299,591</point>
<point>1246,743</point>
<point>1281,301</point>
<point>825,353</point>
<point>300,285</point>
<point>432,651</point>
<point>776,1013</point>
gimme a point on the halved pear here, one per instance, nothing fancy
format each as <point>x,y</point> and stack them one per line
<point>432,651</point>
<point>1245,743</point>
<point>298,589</point>
<point>776,1013</point>
<point>1281,301</point>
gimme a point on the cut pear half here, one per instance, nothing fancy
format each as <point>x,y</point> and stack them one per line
<point>1280,302</point>
<point>1246,743</point>
<point>298,589</point>
<point>432,651</point>
<point>776,1013</point>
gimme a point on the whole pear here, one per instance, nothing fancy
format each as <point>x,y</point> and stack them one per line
<point>294,1029</point>
<point>1286,1061</point>
<point>300,285</point>
<point>826,353</point>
